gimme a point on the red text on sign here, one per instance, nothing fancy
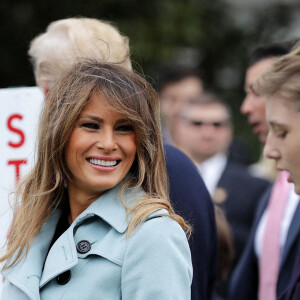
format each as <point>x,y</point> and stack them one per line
<point>17,163</point>
<point>15,130</point>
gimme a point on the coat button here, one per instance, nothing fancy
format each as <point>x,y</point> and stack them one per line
<point>83,246</point>
<point>64,277</point>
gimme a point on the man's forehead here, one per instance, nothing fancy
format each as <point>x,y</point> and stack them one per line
<point>205,109</point>
<point>190,82</point>
<point>256,69</point>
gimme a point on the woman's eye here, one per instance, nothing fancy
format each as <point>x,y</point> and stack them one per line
<point>90,125</point>
<point>124,128</point>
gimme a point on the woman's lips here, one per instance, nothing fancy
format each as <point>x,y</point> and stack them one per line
<point>104,164</point>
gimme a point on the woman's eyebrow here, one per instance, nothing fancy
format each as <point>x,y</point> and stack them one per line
<point>123,121</point>
<point>99,120</point>
<point>94,118</point>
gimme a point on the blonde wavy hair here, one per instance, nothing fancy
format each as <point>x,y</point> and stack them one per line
<point>66,40</point>
<point>42,190</point>
<point>282,78</point>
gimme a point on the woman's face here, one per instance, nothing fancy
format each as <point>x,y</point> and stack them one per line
<point>283,140</point>
<point>100,150</point>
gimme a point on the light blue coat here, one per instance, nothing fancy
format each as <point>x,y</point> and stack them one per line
<point>154,263</point>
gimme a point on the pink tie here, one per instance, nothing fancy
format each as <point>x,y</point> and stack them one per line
<point>270,257</point>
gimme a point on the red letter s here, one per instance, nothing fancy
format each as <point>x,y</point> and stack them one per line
<point>15,130</point>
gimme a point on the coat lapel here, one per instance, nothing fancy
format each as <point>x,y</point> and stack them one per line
<point>63,254</point>
<point>61,257</point>
<point>292,236</point>
<point>27,273</point>
<point>261,207</point>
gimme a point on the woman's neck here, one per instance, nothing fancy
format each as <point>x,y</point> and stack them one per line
<point>79,201</point>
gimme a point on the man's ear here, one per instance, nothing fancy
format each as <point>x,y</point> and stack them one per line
<point>44,87</point>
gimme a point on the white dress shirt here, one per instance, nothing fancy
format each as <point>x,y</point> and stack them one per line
<point>290,209</point>
<point>211,170</point>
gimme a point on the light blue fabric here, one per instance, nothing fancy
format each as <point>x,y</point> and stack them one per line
<point>154,263</point>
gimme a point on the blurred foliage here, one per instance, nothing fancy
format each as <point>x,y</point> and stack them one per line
<point>201,33</point>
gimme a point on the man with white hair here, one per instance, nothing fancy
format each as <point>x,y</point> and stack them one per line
<point>68,40</point>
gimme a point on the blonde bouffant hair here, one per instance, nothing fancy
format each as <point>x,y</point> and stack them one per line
<point>42,191</point>
<point>66,40</point>
<point>282,78</point>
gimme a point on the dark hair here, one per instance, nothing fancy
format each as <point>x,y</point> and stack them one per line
<point>225,244</point>
<point>282,79</point>
<point>271,50</point>
<point>208,98</point>
<point>176,73</point>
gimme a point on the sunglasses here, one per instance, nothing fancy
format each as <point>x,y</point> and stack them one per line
<point>216,124</point>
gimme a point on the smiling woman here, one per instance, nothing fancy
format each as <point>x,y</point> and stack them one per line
<point>101,224</point>
<point>99,153</point>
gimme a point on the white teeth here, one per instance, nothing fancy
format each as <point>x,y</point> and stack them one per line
<point>102,163</point>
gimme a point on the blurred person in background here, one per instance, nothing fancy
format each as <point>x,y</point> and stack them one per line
<point>253,106</point>
<point>68,40</point>
<point>177,85</point>
<point>280,86</point>
<point>204,132</point>
<point>273,242</point>
<point>58,49</point>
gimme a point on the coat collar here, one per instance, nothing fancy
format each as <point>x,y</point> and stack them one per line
<point>27,273</point>
<point>63,254</point>
<point>110,208</point>
<point>28,276</point>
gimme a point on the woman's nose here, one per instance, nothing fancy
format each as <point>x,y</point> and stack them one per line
<point>106,140</point>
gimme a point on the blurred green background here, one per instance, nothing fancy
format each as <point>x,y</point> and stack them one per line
<point>213,35</point>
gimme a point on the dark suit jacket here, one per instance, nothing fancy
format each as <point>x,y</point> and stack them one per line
<point>244,283</point>
<point>191,200</point>
<point>243,192</point>
<point>293,290</point>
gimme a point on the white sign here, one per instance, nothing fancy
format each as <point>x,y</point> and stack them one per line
<point>19,113</point>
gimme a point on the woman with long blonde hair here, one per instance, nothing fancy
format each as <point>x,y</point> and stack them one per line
<point>94,220</point>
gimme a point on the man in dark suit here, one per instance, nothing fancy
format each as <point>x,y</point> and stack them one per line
<point>204,132</point>
<point>244,283</point>
<point>246,277</point>
<point>188,193</point>
<point>292,292</point>
<point>191,200</point>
